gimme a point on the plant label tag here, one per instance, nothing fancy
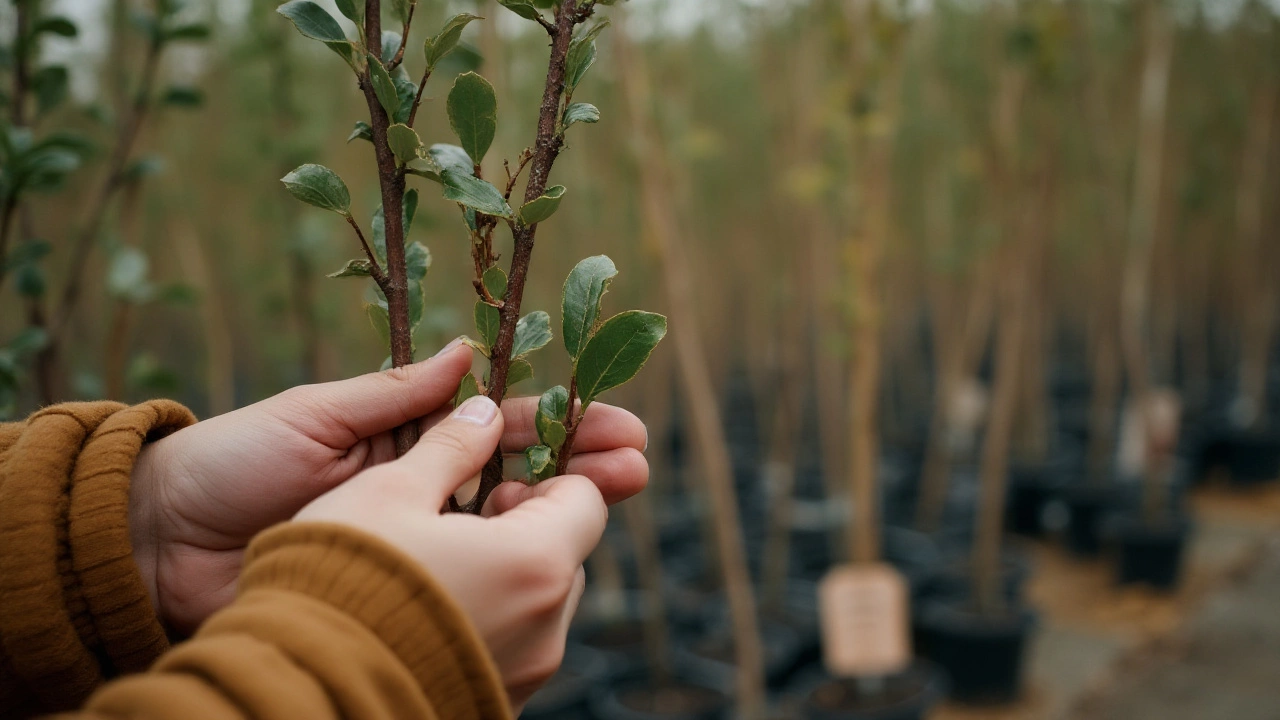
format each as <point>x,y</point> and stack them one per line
<point>865,627</point>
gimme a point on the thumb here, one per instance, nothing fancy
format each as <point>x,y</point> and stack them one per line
<point>454,451</point>
<point>567,512</point>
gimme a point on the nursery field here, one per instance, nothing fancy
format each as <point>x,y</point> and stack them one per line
<point>953,322</point>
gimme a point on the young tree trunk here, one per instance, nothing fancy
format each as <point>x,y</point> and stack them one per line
<point>1258,296</point>
<point>219,354</point>
<point>1011,284</point>
<point>1153,98</point>
<point>713,449</point>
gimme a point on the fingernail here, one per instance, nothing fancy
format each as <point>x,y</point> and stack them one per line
<point>646,440</point>
<point>478,410</point>
<point>456,342</point>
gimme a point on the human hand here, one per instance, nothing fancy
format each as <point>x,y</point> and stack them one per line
<point>517,574</point>
<point>200,495</point>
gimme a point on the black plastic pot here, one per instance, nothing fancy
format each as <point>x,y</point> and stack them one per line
<point>565,696</point>
<point>1151,555</point>
<point>714,654</point>
<point>1031,489</point>
<point>910,695</point>
<point>983,656</point>
<point>1087,509</point>
<point>1252,457</point>
<point>678,700</point>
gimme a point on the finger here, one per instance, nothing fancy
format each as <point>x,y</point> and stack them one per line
<point>567,512</point>
<point>619,474</point>
<point>340,414</point>
<point>453,452</point>
<point>604,427</point>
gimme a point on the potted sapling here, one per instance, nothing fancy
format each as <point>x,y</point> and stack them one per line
<point>864,605</point>
<point>1150,545</point>
<point>978,633</point>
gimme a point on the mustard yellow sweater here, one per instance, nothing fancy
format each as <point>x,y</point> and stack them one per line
<point>328,622</point>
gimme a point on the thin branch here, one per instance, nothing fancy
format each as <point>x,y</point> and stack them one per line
<point>404,40</point>
<point>546,149</point>
<point>417,100</point>
<point>113,183</point>
<point>18,106</point>
<point>375,270</point>
<point>572,419</point>
<point>525,156</point>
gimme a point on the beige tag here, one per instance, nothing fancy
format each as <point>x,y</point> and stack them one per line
<point>865,625</point>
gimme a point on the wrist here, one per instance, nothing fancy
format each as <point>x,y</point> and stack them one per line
<point>143,535</point>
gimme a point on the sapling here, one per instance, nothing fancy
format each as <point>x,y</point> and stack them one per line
<point>604,353</point>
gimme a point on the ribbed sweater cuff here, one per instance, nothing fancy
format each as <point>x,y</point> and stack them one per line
<point>385,591</point>
<point>72,595</point>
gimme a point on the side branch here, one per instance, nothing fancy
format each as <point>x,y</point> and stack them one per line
<point>375,270</point>
<point>546,149</point>
<point>404,39</point>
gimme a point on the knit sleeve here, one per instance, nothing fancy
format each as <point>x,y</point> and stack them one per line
<point>328,623</point>
<point>74,611</point>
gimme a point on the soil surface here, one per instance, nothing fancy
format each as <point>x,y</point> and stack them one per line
<point>1224,663</point>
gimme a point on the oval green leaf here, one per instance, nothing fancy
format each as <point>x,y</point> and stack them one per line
<point>313,21</point>
<point>580,301</point>
<point>447,39</point>
<point>532,332</point>
<point>404,142</point>
<point>536,211</point>
<point>474,193</point>
<point>473,114</point>
<point>617,351</point>
<point>319,186</point>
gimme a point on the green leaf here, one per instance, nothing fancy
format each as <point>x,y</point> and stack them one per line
<point>536,211</point>
<point>474,193</point>
<point>193,32</point>
<point>581,113</point>
<point>381,322</point>
<point>495,281</point>
<point>50,85</point>
<point>387,364</point>
<point>28,342</point>
<point>467,389</point>
<point>409,210</point>
<point>360,267</point>
<point>384,87</point>
<point>54,25</point>
<point>417,260</point>
<point>447,39</point>
<point>362,131</point>
<point>519,371</point>
<point>553,435</point>
<point>452,157</point>
<point>404,142</point>
<point>473,114</point>
<point>319,186</point>
<point>352,10</point>
<point>186,97</point>
<point>488,319</point>
<point>553,407</point>
<point>313,21</point>
<point>523,8</point>
<point>408,92</point>
<point>141,168</point>
<point>580,301</point>
<point>532,332</point>
<point>423,167</point>
<point>540,462</point>
<point>390,46</point>
<point>617,351</point>
<point>128,275</point>
<point>582,55</point>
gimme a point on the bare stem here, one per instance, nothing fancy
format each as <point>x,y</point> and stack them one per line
<point>404,39</point>
<point>395,284</point>
<point>571,422</point>
<point>546,149</point>
<point>375,270</point>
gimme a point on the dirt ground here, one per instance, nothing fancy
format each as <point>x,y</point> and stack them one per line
<point>1211,650</point>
